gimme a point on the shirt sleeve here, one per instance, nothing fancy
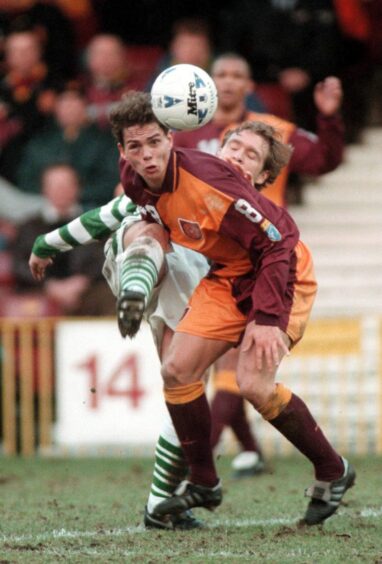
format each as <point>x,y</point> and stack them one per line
<point>270,236</point>
<point>91,226</point>
<point>316,154</point>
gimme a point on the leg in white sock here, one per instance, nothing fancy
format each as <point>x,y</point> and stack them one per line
<point>170,467</point>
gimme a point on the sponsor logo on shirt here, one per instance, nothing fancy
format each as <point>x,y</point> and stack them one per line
<point>272,233</point>
<point>214,202</point>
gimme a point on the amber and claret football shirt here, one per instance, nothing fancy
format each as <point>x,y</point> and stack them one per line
<point>208,206</point>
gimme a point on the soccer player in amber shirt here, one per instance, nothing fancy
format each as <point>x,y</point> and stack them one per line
<point>313,154</point>
<point>260,288</point>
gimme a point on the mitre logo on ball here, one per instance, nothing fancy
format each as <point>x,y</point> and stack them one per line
<point>184,97</point>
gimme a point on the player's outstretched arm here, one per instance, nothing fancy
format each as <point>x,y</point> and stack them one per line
<point>91,226</point>
<point>321,153</point>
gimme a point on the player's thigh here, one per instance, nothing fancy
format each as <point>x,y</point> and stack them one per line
<point>188,357</point>
<point>166,339</point>
<point>228,361</point>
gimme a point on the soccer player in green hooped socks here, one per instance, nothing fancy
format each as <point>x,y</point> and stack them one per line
<point>134,270</point>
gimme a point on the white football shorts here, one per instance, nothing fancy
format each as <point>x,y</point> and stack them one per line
<point>185,269</point>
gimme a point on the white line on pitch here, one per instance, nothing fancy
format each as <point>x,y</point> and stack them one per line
<point>366,513</point>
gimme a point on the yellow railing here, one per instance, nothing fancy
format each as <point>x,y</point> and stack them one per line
<point>337,369</point>
<point>27,377</point>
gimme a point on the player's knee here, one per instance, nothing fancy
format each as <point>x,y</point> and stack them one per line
<point>256,390</point>
<point>157,232</point>
<point>174,374</point>
<point>148,230</point>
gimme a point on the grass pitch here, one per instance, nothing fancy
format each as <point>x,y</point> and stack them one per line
<point>90,510</point>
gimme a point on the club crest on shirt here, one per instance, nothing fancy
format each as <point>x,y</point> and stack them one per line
<point>191,229</point>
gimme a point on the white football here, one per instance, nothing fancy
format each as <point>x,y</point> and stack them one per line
<point>184,97</point>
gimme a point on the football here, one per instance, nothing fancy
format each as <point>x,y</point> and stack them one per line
<point>184,97</point>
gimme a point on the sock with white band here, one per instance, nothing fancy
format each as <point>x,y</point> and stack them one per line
<point>170,467</point>
<point>141,264</point>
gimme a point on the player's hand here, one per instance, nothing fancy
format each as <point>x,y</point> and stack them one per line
<point>328,95</point>
<point>247,175</point>
<point>268,343</point>
<point>38,266</point>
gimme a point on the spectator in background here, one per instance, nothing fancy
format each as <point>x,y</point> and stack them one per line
<point>80,13</point>
<point>56,35</point>
<point>74,140</point>
<point>191,44</point>
<point>74,281</point>
<point>27,94</point>
<point>106,76</point>
<point>290,45</point>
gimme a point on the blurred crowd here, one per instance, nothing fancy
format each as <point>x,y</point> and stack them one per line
<point>64,63</point>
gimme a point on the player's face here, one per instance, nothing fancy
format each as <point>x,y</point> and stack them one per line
<point>232,81</point>
<point>249,151</point>
<point>147,149</point>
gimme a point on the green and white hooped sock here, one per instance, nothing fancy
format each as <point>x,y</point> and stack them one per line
<point>141,264</point>
<point>170,467</point>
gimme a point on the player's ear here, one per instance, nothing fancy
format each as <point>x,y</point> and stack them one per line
<point>262,177</point>
<point>170,137</point>
<point>121,151</point>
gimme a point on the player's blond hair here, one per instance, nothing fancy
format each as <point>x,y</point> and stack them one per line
<point>279,153</point>
<point>133,109</point>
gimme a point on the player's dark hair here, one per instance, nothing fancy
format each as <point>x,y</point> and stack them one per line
<point>133,109</point>
<point>279,153</point>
